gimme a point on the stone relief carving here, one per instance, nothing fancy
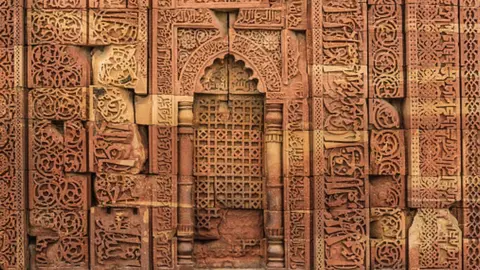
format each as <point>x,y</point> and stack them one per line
<point>289,134</point>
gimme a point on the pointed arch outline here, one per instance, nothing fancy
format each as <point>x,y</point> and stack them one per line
<point>218,48</point>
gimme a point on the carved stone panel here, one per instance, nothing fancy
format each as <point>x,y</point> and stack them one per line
<point>248,134</point>
<point>121,66</point>
<point>117,148</point>
<point>435,240</point>
<point>57,27</point>
<point>57,66</point>
<point>119,238</point>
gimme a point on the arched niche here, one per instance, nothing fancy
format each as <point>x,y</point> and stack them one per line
<point>252,55</point>
<point>229,168</point>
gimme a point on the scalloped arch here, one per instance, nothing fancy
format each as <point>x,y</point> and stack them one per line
<point>189,79</point>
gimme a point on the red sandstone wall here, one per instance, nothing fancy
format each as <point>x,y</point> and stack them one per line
<point>292,134</point>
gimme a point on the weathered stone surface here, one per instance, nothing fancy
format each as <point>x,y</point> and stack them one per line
<point>111,104</point>
<point>266,134</point>
<point>119,238</point>
<point>117,148</point>
<point>435,240</point>
<point>59,104</point>
<point>122,66</point>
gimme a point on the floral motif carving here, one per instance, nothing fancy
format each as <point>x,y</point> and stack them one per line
<point>7,28</point>
<point>300,120</point>
<point>58,222</point>
<point>75,142</point>
<point>387,152</point>
<point>57,66</point>
<point>7,69</point>
<point>57,27</point>
<point>61,192</point>
<point>68,252</point>
<point>386,48</point>
<point>13,237</point>
<point>388,254</point>
<point>383,115</point>
<point>387,191</point>
<point>61,104</point>
<point>46,149</point>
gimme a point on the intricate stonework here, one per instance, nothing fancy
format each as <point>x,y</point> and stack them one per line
<point>140,134</point>
<point>57,66</point>
<point>57,27</point>
<point>386,48</point>
<point>121,66</point>
<point>117,148</point>
<point>60,104</point>
<point>120,237</point>
<point>111,104</point>
<point>435,240</point>
<point>108,27</point>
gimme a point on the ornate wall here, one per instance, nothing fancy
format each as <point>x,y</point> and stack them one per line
<point>254,134</point>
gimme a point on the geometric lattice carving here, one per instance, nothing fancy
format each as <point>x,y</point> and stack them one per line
<point>228,158</point>
<point>434,152</point>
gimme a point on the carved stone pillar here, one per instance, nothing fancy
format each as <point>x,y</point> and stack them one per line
<point>274,187</point>
<point>185,183</point>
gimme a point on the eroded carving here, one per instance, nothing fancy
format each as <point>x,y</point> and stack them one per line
<point>117,148</point>
<point>121,66</point>
<point>435,240</point>
<point>119,237</point>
